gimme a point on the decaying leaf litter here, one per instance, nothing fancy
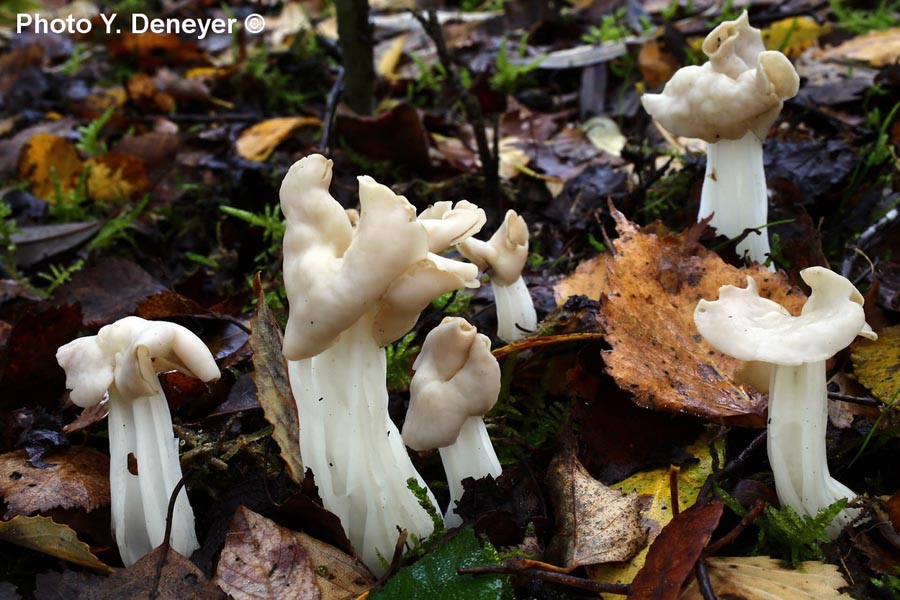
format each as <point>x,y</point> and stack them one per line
<point>140,177</point>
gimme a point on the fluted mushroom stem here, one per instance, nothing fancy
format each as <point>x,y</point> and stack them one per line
<point>516,316</point>
<point>735,190</point>
<point>142,428</point>
<point>355,451</point>
<point>472,455</point>
<point>798,418</point>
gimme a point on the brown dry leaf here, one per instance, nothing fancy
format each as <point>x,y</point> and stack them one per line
<point>878,48</point>
<point>397,134</point>
<point>588,279</point>
<point>178,578</point>
<point>44,155</point>
<point>259,141</point>
<point>78,478</point>
<point>656,65</point>
<point>116,177</point>
<point>151,50</point>
<point>595,524</point>
<point>272,385</point>
<point>263,560</point>
<point>43,534</point>
<point>761,578</point>
<point>655,284</point>
<point>144,94</point>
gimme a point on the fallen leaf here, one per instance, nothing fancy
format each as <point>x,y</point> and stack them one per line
<point>43,534</point>
<point>149,50</point>
<point>392,135</point>
<point>673,554</point>
<point>77,479</point>
<point>654,489</point>
<point>263,560</point>
<point>35,243</point>
<point>604,134</point>
<point>100,300</point>
<point>143,92</point>
<point>762,578</point>
<point>878,48</point>
<point>793,35</point>
<point>257,142</point>
<point>273,387</point>
<point>47,158</point>
<point>657,66</point>
<point>875,364</point>
<point>595,524</point>
<point>588,279</point>
<point>512,157</point>
<point>388,61</point>
<point>435,577</point>
<point>115,177</point>
<point>655,284</point>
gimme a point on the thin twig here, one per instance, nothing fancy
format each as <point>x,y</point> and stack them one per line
<point>550,576</point>
<point>703,580</point>
<point>673,490</point>
<point>863,400</point>
<point>154,588</point>
<point>334,97</point>
<point>732,465</point>
<point>729,537</point>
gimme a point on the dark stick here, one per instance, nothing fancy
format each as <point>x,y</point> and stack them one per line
<point>703,580</point>
<point>729,537</point>
<point>864,401</point>
<point>733,465</point>
<point>154,588</point>
<point>334,97</point>
<point>673,490</point>
<point>552,577</point>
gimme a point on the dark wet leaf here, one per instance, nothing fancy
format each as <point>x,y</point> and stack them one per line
<point>817,167</point>
<point>39,242</point>
<point>108,290</point>
<point>395,135</point>
<point>675,551</point>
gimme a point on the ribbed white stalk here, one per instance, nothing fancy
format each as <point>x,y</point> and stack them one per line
<point>735,190</point>
<point>472,455</point>
<point>353,448</point>
<point>798,417</point>
<point>140,503</point>
<point>516,316</point>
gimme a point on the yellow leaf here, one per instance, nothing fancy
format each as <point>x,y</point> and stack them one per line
<point>653,488</point>
<point>115,177</point>
<point>875,364</point>
<point>793,35</point>
<point>44,155</point>
<point>604,135</point>
<point>259,141</point>
<point>45,535</point>
<point>387,64</point>
<point>761,578</point>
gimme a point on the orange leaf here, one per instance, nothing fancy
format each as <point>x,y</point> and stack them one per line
<point>116,177</point>
<point>259,141</point>
<point>43,155</point>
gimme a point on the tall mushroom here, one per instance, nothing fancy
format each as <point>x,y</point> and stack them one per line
<point>121,363</point>
<point>504,255</point>
<point>352,290</point>
<point>730,101</point>
<point>456,382</point>
<point>744,325</point>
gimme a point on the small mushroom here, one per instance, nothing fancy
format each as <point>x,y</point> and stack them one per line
<point>504,255</point>
<point>730,101</point>
<point>456,382</point>
<point>744,325</point>
<point>120,363</point>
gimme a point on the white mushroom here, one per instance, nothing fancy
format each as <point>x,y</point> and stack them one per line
<point>352,290</point>
<point>730,101</point>
<point>456,381</point>
<point>744,325</point>
<point>505,255</point>
<point>122,361</point>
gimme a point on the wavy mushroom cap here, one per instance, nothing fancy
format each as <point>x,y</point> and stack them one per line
<point>504,254</point>
<point>456,377</point>
<point>750,328</point>
<point>130,353</point>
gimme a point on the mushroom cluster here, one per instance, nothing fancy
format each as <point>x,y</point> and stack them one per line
<point>730,101</point>
<point>456,382</point>
<point>120,364</point>
<point>794,350</point>
<point>354,288</point>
